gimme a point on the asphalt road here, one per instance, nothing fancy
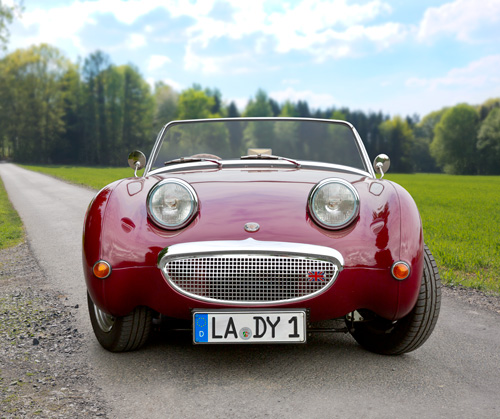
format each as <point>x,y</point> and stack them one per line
<point>456,374</point>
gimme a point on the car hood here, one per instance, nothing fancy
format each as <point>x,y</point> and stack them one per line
<point>276,199</point>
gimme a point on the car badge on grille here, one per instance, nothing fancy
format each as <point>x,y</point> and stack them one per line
<point>252,227</point>
<point>316,276</point>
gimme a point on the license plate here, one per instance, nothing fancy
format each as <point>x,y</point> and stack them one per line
<point>249,326</point>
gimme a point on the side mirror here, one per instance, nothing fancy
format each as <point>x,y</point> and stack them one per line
<point>381,164</point>
<point>136,160</point>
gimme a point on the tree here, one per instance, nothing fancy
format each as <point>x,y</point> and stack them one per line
<point>487,107</point>
<point>275,107</point>
<point>398,137</point>
<point>165,99</point>
<point>138,109</point>
<point>94,113</point>
<point>216,108</point>
<point>488,143</point>
<point>194,104</point>
<point>232,111</point>
<point>7,14</point>
<point>338,115</point>
<point>256,133</point>
<point>259,106</point>
<point>288,110</point>
<point>235,130</point>
<point>454,144</point>
<point>67,148</point>
<point>424,135</point>
<point>32,102</point>
<point>303,109</point>
<point>117,111</point>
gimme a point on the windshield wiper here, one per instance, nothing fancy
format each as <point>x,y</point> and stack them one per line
<point>192,159</point>
<point>269,157</point>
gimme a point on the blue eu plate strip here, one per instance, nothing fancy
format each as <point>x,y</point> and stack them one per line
<point>201,327</point>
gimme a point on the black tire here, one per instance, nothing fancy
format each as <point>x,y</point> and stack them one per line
<point>120,334</point>
<point>409,333</point>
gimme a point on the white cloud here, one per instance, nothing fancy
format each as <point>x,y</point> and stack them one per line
<point>480,74</point>
<point>136,40</point>
<point>473,84</point>
<point>58,24</point>
<point>157,61</point>
<point>315,100</point>
<point>459,18</point>
<point>227,64</point>
<point>312,25</point>
<point>319,27</point>
<point>172,83</point>
<point>322,28</point>
<point>240,102</point>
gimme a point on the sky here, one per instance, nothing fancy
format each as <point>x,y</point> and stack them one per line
<point>401,57</point>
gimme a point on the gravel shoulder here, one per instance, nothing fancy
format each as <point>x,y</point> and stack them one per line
<point>41,370</point>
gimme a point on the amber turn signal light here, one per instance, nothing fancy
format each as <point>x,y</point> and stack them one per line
<point>101,269</point>
<point>400,270</point>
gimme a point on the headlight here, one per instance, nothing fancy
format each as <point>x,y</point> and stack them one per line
<point>333,203</point>
<point>172,203</point>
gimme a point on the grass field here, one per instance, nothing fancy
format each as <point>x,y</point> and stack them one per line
<point>461,217</point>
<point>11,227</point>
<point>94,177</point>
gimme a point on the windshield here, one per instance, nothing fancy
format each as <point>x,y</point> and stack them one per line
<point>303,140</point>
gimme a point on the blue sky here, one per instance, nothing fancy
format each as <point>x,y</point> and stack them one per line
<point>398,56</point>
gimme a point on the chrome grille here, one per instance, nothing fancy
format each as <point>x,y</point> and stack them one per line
<point>249,278</point>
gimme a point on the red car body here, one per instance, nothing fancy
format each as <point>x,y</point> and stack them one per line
<point>117,229</point>
<point>387,229</point>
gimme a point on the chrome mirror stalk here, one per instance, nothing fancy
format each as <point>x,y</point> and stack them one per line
<point>381,164</point>
<point>136,160</point>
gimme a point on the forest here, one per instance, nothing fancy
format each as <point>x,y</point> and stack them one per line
<point>54,111</point>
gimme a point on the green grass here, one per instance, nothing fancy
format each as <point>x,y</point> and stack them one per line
<point>94,177</point>
<point>11,227</point>
<point>461,217</point>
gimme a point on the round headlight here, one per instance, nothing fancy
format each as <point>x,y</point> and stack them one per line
<point>333,203</point>
<point>172,203</point>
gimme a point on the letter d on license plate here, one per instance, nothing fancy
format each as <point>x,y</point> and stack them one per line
<point>248,326</point>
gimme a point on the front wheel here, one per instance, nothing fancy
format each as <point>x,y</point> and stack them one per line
<point>120,334</point>
<point>409,333</point>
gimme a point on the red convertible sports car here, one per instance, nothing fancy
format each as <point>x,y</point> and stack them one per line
<point>257,230</point>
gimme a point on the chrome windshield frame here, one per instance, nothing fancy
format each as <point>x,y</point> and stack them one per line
<point>359,142</point>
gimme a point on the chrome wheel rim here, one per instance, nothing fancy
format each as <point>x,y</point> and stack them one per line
<point>104,320</point>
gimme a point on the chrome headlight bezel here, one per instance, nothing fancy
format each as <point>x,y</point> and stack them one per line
<point>186,220</point>
<point>314,193</point>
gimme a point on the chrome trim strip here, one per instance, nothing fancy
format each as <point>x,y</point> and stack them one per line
<point>249,247</point>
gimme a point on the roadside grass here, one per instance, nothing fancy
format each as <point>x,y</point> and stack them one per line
<point>461,218</point>
<point>11,226</point>
<point>93,177</point>
<point>460,214</point>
